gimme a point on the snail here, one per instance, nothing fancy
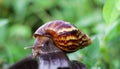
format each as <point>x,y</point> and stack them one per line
<point>66,36</point>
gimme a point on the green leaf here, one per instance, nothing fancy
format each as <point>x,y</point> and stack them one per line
<point>3,22</point>
<point>118,5</point>
<point>3,29</point>
<point>92,50</point>
<point>43,4</point>
<point>20,8</point>
<point>112,31</point>
<point>18,31</point>
<point>111,10</point>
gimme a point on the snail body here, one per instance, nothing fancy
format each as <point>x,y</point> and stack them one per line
<point>65,35</point>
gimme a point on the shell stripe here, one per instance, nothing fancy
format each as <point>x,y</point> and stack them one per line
<point>65,35</point>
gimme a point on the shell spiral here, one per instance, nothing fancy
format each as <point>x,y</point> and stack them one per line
<point>65,35</point>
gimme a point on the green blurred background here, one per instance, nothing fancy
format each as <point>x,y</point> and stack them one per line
<point>98,18</point>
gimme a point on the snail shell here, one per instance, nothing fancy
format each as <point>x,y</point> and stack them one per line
<point>65,35</point>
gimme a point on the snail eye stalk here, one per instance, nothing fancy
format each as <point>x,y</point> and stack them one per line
<point>29,47</point>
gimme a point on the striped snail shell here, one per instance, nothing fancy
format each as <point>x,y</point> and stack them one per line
<point>65,35</point>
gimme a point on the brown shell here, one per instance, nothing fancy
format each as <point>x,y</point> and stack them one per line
<point>66,36</point>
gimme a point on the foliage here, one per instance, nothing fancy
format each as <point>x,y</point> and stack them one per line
<point>111,10</point>
<point>98,18</point>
